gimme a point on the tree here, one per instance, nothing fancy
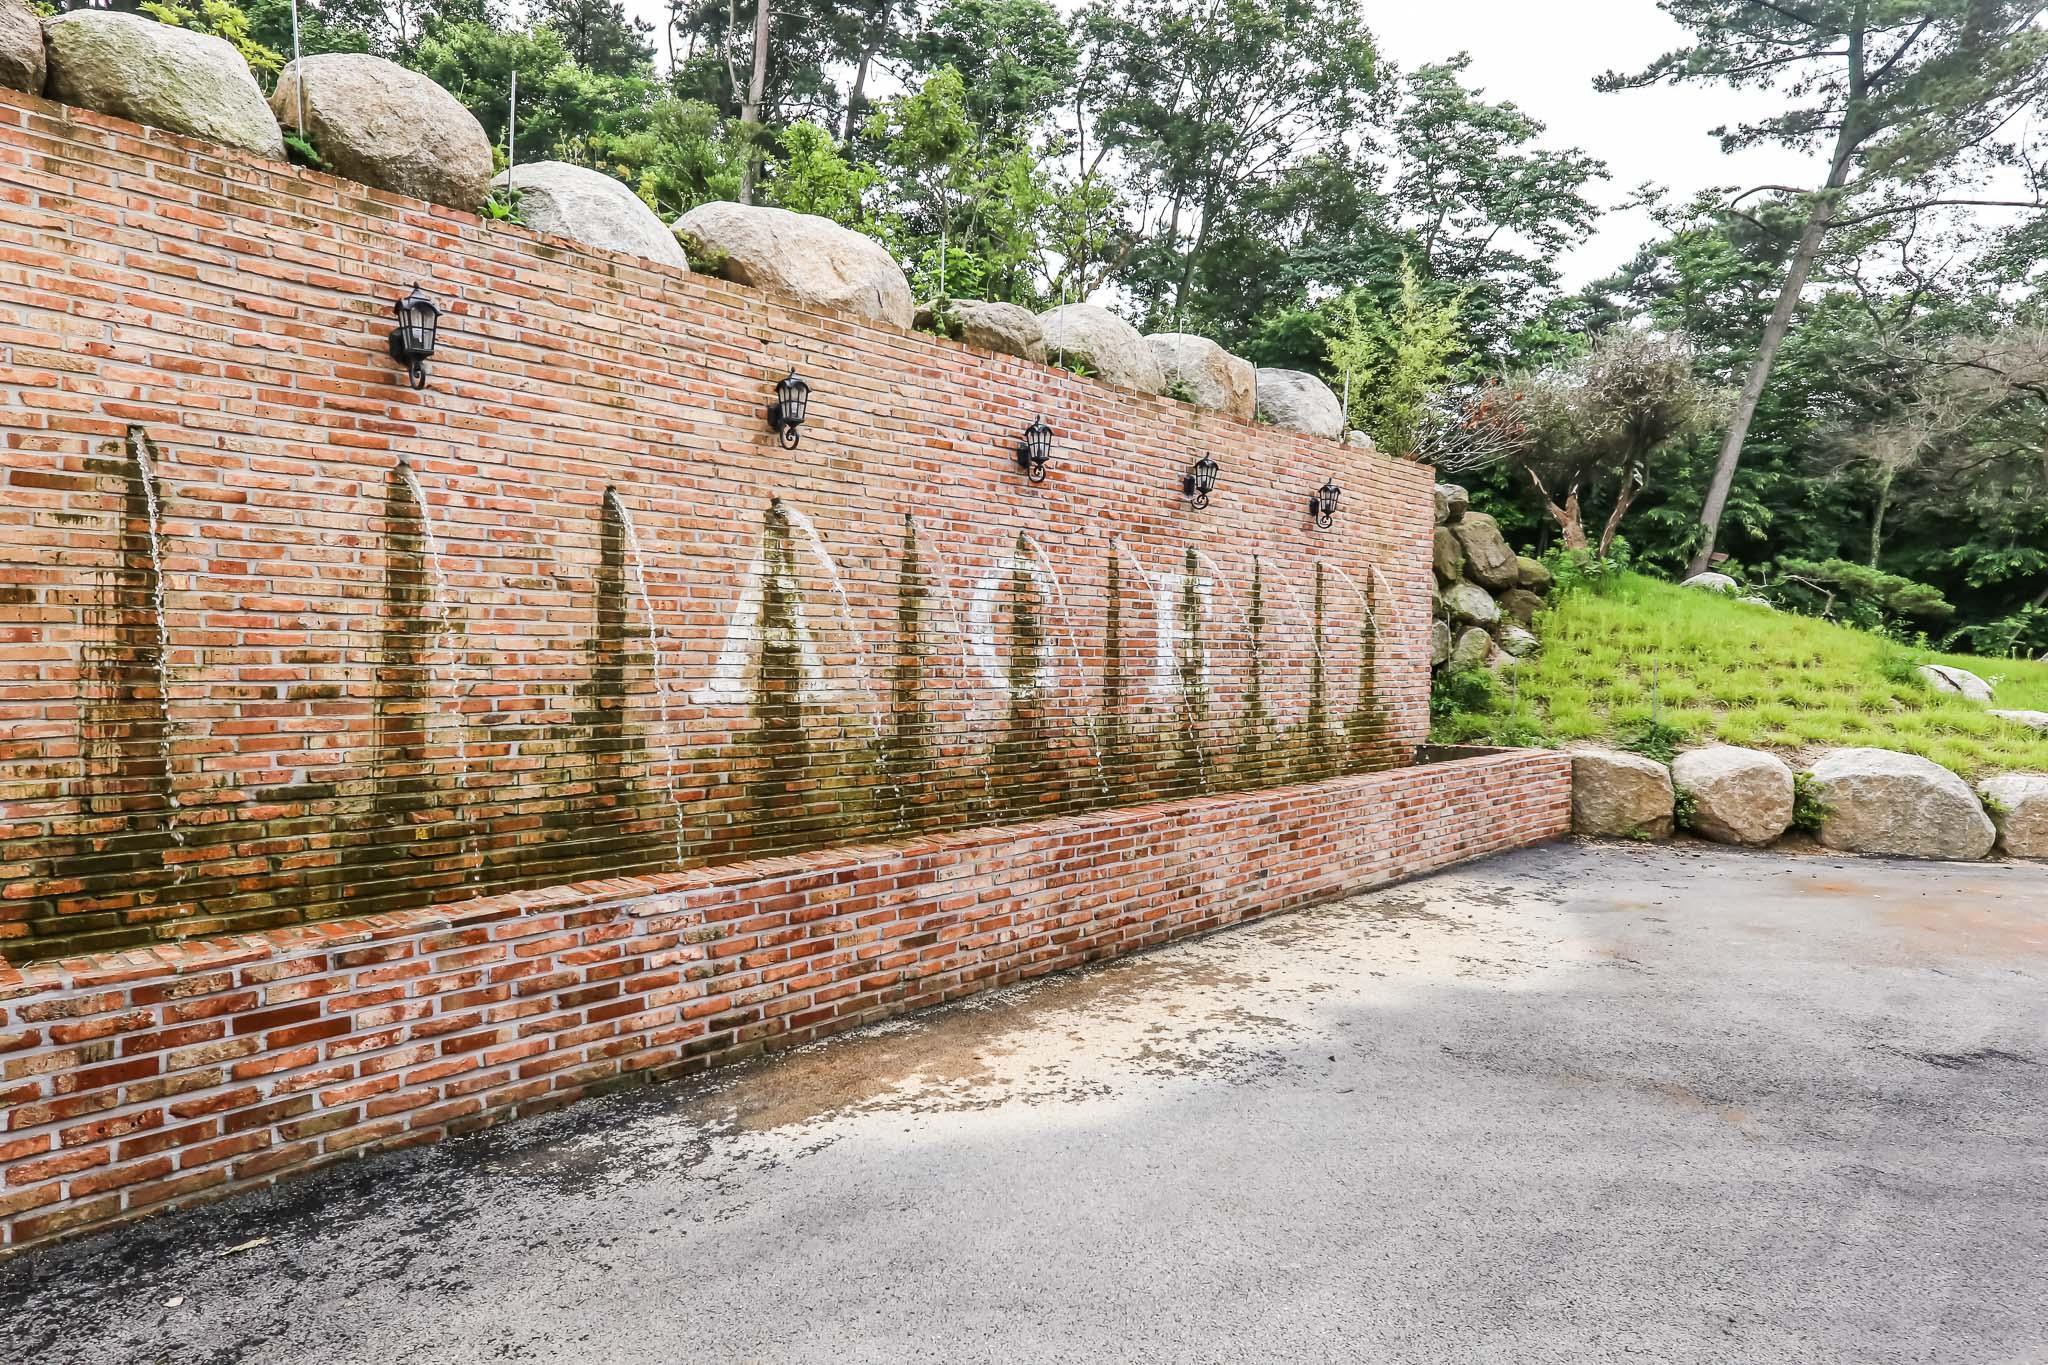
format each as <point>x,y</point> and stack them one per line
<point>598,35</point>
<point>1911,99</point>
<point>1204,103</point>
<point>1391,363</point>
<point>1015,58</point>
<point>969,210</point>
<point>1602,418</point>
<point>1483,205</point>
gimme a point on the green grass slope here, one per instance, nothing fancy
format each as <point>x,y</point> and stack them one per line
<point>1737,673</point>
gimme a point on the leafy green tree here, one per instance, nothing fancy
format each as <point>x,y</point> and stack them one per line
<point>1599,422</point>
<point>1016,61</point>
<point>1485,207</point>
<point>599,36</point>
<point>1392,363</point>
<point>812,177</point>
<point>1909,99</point>
<point>1204,104</point>
<point>222,19</point>
<point>566,113</point>
<point>677,155</point>
<point>968,210</point>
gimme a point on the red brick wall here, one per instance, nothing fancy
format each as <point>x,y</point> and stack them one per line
<point>161,1076</point>
<point>329,723</point>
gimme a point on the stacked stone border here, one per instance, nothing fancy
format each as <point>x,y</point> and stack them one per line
<point>163,1077</point>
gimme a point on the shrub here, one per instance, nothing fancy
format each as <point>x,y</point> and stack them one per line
<point>1809,810</point>
<point>1652,739</point>
<point>1685,808</point>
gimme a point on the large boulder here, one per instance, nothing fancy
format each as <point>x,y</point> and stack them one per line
<point>2037,720</point>
<point>1108,346</point>
<point>22,64</point>
<point>1447,556</point>
<point>1452,502</point>
<point>1360,440</point>
<point>1740,796</point>
<point>1474,647</point>
<point>1299,402</point>
<point>375,122</point>
<point>587,206</point>
<point>1958,682</point>
<point>1900,804</point>
<point>1518,643</point>
<point>1489,560</point>
<point>1620,795</point>
<point>1712,582</point>
<point>1532,575</point>
<point>169,78</point>
<point>812,259</point>
<point>1439,643</point>
<point>1211,376</point>
<point>1001,327</point>
<point>2020,811</point>
<point>1471,605</point>
<point>1520,606</point>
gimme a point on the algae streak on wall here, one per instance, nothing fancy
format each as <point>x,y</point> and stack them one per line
<point>282,638</point>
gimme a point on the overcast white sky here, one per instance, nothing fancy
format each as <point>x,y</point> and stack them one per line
<point>1544,58</point>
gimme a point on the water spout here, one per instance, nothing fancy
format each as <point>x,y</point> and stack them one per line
<point>145,470</point>
<point>637,564</point>
<point>443,608</point>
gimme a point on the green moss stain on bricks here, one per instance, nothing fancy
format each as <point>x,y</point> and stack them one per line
<point>116,858</point>
<point>1252,764</point>
<point>907,739</point>
<point>1317,758</point>
<point>783,791</point>
<point>395,837</point>
<point>1115,730</point>
<point>619,824</point>
<point>1365,729</point>
<point>1029,774</point>
<point>1191,763</point>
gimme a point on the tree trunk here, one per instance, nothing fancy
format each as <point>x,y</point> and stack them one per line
<point>857,96</point>
<point>1767,351</point>
<point>750,113</point>
<point>1571,529</point>
<point>1884,502</point>
<point>1622,502</point>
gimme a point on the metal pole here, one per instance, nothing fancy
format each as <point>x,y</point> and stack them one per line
<point>298,71</point>
<point>512,132</point>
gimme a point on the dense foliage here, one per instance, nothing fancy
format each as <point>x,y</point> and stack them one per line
<point>1848,374</point>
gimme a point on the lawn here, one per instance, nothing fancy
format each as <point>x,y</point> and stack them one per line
<point>1720,670</point>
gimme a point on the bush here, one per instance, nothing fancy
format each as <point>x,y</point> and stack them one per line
<point>1652,739</point>
<point>1858,595</point>
<point>1685,807</point>
<point>1809,810</point>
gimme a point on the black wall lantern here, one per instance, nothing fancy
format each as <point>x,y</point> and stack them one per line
<point>412,340</point>
<point>1035,450</point>
<point>1322,504</point>
<point>1199,482</point>
<point>786,413</point>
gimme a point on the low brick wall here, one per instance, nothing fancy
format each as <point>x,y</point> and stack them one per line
<point>159,1077</point>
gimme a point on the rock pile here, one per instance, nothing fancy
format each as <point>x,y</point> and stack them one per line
<point>1487,595</point>
<point>1867,801</point>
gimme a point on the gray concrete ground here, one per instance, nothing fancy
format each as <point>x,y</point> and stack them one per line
<point>1576,1104</point>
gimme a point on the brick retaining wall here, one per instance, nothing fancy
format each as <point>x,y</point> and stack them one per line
<point>164,1076</point>
<point>282,639</point>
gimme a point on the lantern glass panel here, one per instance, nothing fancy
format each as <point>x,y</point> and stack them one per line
<point>796,399</point>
